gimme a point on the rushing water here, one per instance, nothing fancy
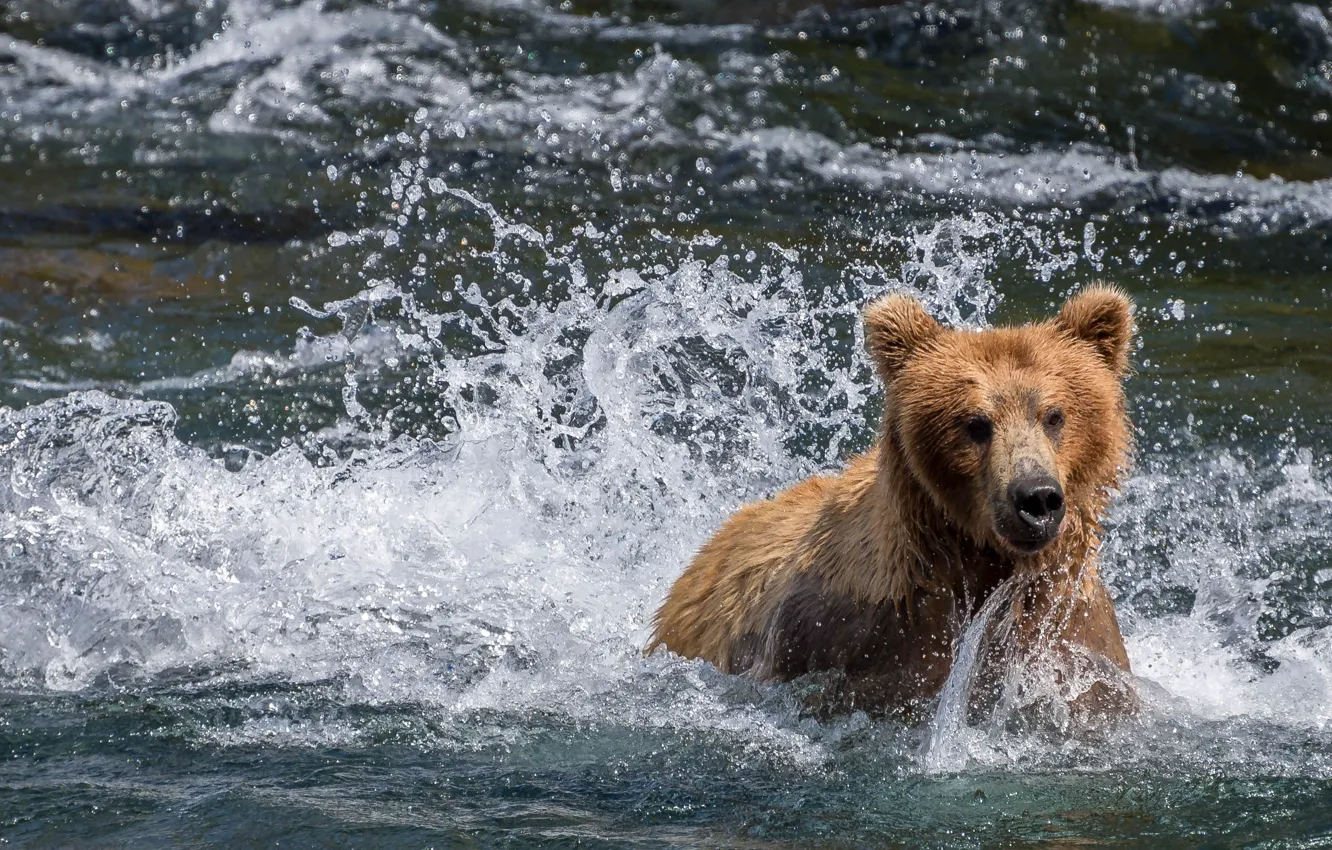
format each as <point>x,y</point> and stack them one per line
<point>371,369</point>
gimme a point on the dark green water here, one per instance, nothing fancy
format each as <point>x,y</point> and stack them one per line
<point>369,370</point>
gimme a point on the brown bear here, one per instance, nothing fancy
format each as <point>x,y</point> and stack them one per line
<point>995,462</point>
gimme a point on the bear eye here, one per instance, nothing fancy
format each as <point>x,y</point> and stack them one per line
<point>1054,420</point>
<point>979,428</point>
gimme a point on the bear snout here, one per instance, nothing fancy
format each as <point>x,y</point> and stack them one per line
<point>1033,512</point>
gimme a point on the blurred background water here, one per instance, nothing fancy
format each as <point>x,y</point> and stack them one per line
<point>369,370</point>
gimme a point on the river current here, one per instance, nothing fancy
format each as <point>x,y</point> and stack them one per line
<point>369,370</point>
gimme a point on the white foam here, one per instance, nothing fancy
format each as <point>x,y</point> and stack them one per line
<point>1076,175</point>
<point>1163,8</point>
<point>1215,681</point>
<point>1227,542</point>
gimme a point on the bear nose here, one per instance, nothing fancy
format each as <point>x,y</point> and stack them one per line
<point>1039,503</point>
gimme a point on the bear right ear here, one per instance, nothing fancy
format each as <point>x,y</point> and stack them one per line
<point>895,326</point>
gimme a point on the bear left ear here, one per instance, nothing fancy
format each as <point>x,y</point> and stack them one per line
<point>1102,316</point>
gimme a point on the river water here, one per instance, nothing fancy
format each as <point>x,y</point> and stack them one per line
<point>369,371</point>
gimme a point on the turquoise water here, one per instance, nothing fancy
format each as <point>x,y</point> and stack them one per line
<point>369,371</point>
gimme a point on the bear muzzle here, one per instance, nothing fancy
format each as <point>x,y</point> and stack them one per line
<point>1032,512</point>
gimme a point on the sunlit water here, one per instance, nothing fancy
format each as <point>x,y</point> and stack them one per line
<point>372,370</point>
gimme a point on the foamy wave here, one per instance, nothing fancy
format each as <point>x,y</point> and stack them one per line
<point>307,72</point>
<point>1079,175</point>
<point>1164,8</point>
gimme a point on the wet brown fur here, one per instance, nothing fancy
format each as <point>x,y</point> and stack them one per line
<point>874,571</point>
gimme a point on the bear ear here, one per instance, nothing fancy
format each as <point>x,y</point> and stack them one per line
<point>1103,317</point>
<point>895,326</point>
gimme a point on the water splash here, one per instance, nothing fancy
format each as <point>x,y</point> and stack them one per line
<point>947,748</point>
<point>588,429</point>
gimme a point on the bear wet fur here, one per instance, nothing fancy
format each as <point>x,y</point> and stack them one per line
<point>996,458</point>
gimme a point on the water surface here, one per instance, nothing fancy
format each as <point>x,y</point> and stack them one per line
<point>370,370</point>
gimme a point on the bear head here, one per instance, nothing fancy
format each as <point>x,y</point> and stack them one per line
<point>1008,430</point>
